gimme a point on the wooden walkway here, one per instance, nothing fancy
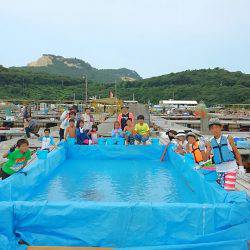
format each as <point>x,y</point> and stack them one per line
<point>168,124</point>
<point>243,183</point>
<point>106,127</point>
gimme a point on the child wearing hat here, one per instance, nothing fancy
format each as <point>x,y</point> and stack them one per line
<point>226,156</point>
<point>171,136</point>
<point>196,147</point>
<point>181,143</point>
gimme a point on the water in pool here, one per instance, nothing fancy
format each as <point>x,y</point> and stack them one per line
<point>114,181</point>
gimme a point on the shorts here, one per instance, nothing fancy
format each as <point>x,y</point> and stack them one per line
<point>227,180</point>
<point>141,138</point>
<point>130,139</point>
<point>3,175</point>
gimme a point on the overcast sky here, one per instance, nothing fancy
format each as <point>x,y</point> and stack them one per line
<point>153,37</point>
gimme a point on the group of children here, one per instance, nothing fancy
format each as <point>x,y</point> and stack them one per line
<point>131,133</point>
<point>220,151</point>
<point>82,136</point>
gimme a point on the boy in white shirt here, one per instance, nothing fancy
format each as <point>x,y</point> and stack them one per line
<point>47,140</point>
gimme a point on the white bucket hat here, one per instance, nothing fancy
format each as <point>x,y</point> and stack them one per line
<point>180,133</point>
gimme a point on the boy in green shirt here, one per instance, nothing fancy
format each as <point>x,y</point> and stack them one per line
<point>16,159</point>
<point>142,130</point>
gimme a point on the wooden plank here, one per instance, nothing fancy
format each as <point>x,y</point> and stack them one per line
<point>106,127</point>
<point>166,124</point>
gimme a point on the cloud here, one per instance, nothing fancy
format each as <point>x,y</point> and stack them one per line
<point>152,37</point>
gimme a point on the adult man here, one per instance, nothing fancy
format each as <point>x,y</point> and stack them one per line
<point>123,117</point>
<point>31,126</point>
<point>65,116</point>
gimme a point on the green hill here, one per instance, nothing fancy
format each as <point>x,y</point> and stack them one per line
<point>73,67</point>
<point>214,86</point>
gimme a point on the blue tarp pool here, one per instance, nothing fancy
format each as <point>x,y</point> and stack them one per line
<point>123,197</point>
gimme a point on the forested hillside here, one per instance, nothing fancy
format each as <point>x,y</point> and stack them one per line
<point>73,67</point>
<point>214,86</point>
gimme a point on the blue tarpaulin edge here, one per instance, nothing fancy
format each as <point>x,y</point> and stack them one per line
<point>223,220</point>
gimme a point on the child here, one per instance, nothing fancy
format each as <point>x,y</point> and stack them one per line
<point>124,116</point>
<point>88,119</point>
<point>82,137</point>
<point>117,131</point>
<point>94,134</point>
<point>141,130</point>
<point>129,130</point>
<point>70,130</point>
<point>66,115</point>
<point>171,136</point>
<point>181,143</point>
<point>16,160</point>
<point>47,140</point>
<point>225,155</point>
<point>197,148</point>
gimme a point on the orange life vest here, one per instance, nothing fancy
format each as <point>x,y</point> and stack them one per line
<point>196,152</point>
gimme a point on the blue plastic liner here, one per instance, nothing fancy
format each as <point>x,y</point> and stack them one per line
<point>101,141</point>
<point>42,154</point>
<point>243,144</point>
<point>154,141</point>
<point>220,221</point>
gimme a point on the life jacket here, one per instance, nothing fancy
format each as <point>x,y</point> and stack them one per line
<point>221,151</point>
<point>196,152</point>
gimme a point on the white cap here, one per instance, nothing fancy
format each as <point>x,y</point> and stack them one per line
<point>180,133</point>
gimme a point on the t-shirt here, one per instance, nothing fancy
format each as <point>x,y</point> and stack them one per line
<point>142,129</point>
<point>63,119</point>
<point>32,124</point>
<point>117,133</point>
<point>16,160</point>
<point>88,121</point>
<point>94,137</point>
<point>177,143</point>
<point>122,118</point>
<point>47,142</point>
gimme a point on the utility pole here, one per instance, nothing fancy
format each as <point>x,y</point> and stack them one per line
<point>115,90</point>
<point>23,86</point>
<point>85,86</point>
<point>116,98</point>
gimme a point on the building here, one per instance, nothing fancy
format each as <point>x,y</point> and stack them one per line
<point>127,102</point>
<point>179,104</point>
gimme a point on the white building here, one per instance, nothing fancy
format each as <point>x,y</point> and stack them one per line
<point>127,102</point>
<point>180,104</point>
